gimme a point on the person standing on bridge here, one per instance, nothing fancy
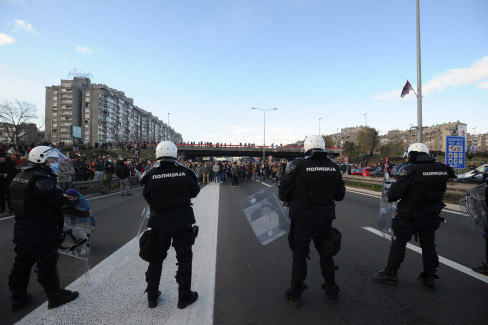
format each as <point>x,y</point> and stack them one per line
<point>420,187</point>
<point>311,186</point>
<point>168,189</point>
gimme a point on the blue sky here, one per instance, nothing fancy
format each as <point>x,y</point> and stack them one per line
<point>208,62</point>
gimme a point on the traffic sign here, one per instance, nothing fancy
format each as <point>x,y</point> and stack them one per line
<point>455,152</point>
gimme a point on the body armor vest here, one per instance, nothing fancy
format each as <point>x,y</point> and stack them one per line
<point>169,188</point>
<point>20,191</point>
<point>316,182</point>
<point>429,186</point>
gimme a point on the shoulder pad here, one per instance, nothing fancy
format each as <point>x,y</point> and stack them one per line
<point>406,170</point>
<point>44,187</point>
<point>292,167</point>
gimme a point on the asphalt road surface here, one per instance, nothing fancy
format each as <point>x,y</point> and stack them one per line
<point>251,278</point>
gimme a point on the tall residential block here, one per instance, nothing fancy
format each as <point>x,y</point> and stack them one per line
<point>103,114</point>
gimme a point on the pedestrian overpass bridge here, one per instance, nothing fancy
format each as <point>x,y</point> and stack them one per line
<point>193,151</point>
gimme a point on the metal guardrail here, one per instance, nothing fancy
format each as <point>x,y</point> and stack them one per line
<point>100,184</point>
<point>452,188</point>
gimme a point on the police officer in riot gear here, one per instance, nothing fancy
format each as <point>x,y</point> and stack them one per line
<point>168,188</point>
<point>420,187</point>
<point>38,204</point>
<point>483,267</point>
<point>310,186</point>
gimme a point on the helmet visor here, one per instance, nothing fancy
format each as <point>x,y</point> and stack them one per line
<point>54,156</point>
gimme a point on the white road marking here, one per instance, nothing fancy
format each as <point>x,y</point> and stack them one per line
<point>442,260</point>
<point>114,291</point>
<point>263,183</point>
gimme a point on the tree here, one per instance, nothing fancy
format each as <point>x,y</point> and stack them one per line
<point>392,149</point>
<point>17,119</point>
<point>329,142</point>
<point>351,150</point>
<point>367,139</point>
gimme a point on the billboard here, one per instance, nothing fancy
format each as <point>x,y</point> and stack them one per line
<point>76,131</point>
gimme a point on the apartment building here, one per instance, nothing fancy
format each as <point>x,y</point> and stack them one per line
<point>102,113</point>
<point>433,136</point>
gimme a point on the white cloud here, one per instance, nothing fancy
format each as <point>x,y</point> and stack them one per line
<point>483,85</point>
<point>21,25</point>
<point>83,50</point>
<point>390,95</point>
<point>5,39</point>
<point>476,73</point>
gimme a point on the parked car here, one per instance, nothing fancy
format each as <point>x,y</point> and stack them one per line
<point>368,171</point>
<point>358,171</point>
<point>473,172</point>
<point>473,179</point>
<point>378,172</point>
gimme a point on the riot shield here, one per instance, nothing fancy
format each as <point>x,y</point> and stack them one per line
<point>75,239</point>
<point>143,219</point>
<point>266,215</point>
<point>473,203</point>
<point>387,209</point>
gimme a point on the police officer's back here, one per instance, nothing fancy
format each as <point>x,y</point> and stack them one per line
<point>38,205</point>
<point>420,187</point>
<point>311,186</point>
<point>168,189</point>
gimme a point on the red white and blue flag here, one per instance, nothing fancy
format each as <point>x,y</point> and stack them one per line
<point>406,89</point>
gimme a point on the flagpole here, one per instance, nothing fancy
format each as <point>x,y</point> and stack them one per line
<point>419,81</point>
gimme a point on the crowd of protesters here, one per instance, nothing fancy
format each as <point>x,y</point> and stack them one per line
<point>80,167</point>
<point>236,172</point>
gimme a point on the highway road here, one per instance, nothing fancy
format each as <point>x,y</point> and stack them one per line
<point>250,279</point>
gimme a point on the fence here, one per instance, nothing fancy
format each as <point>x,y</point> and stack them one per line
<point>99,186</point>
<point>377,183</point>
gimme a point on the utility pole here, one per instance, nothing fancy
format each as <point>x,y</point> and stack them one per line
<point>264,129</point>
<point>419,80</point>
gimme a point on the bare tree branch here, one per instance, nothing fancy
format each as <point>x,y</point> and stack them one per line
<point>15,118</point>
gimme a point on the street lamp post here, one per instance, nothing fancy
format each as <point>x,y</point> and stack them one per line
<point>319,124</point>
<point>264,128</point>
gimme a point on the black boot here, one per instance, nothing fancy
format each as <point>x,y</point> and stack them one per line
<point>152,297</point>
<point>482,269</point>
<point>186,299</point>
<point>331,294</point>
<point>61,298</point>
<point>386,277</point>
<point>293,298</point>
<point>428,279</point>
<point>20,300</point>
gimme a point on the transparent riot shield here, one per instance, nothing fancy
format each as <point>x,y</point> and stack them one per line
<point>266,215</point>
<point>143,219</point>
<point>387,209</point>
<point>75,239</point>
<point>473,203</point>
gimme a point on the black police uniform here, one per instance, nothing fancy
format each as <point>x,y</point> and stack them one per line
<point>168,189</point>
<point>38,205</point>
<point>311,186</point>
<point>483,267</point>
<point>7,173</point>
<point>420,187</point>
